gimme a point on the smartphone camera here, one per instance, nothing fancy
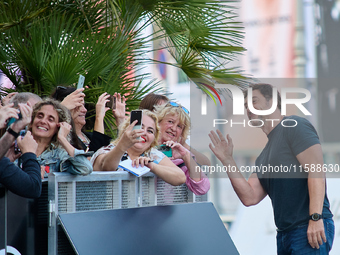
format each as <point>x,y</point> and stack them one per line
<point>166,150</point>
<point>137,115</point>
<point>22,133</point>
<point>112,103</point>
<point>12,120</point>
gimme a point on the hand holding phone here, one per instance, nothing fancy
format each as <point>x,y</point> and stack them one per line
<point>136,115</point>
<point>167,151</point>
<point>12,120</point>
<point>22,133</point>
<point>112,103</point>
<point>81,81</point>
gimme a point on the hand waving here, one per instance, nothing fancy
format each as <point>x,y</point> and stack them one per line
<point>221,147</point>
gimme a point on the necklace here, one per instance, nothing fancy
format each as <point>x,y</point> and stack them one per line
<point>85,141</point>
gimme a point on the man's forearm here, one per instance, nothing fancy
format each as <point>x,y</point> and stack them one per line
<point>249,192</point>
<point>316,189</point>
<point>5,143</point>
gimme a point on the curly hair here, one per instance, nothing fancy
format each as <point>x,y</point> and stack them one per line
<point>184,118</point>
<point>64,115</point>
<point>126,123</point>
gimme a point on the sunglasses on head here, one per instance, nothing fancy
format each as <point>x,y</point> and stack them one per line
<point>178,105</point>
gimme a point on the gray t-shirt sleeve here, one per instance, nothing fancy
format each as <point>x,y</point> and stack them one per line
<point>302,136</point>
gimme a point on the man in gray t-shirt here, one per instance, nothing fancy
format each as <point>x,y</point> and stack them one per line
<point>300,204</point>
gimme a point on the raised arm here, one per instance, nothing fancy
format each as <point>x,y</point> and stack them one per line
<point>110,161</point>
<point>64,130</point>
<point>119,111</point>
<point>75,99</point>
<point>8,138</point>
<point>249,192</point>
<point>100,112</point>
<point>5,100</point>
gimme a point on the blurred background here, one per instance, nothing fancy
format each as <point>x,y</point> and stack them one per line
<point>289,43</point>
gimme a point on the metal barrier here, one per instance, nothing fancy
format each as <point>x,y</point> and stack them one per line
<point>105,190</point>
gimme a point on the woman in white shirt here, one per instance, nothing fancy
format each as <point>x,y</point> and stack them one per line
<point>139,150</point>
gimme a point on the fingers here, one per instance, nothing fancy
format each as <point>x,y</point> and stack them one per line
<point>212,148</point>
<point>220,135</point>
<point>230,141</point>
<point>213,137</point>
<point>75,99</point>
<point>10,95</point>
<point>9,112</point>
<point>136,134</point>
<point>104,97</point>
<point>19,140</point>
<point>101,104</point>
<point>130,127</point>
<point>119,98</point>
<point>323,236</point>
<point>26,110</point>
<point>29,134</point>
<point>170,143</point>
<point>314,243</point>
<point>316,236</point>
<point>175,145</point>
<point>141,161</point>
<point>7,98</point>
<point>65,125</point>
<point>78,91</point>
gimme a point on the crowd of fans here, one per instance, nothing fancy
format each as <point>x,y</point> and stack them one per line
<point>40,136</point>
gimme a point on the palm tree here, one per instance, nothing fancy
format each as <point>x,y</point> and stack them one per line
<point>48,43</point>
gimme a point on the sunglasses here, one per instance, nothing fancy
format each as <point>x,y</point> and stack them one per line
<point>178,105</point>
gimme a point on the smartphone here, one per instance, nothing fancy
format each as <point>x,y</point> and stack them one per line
<point>12,120</point>
<point>22,133</point>
<point>136,115</point>
<point>166,150</point>
<point>81,81</point>
<point>112,103</point>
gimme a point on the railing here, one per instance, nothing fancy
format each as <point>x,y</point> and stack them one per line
<point>100,191</point>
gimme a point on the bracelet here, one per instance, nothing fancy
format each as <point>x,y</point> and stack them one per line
<point>12,132</point>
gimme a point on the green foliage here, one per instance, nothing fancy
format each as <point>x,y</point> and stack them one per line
<point>47,43</point>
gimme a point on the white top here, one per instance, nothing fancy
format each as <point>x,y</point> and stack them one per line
<point>154,154</point>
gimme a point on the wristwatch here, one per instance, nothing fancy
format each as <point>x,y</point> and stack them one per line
<point>315,217</point>
<point>12,132</point>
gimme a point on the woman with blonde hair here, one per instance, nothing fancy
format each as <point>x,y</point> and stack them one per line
<point>138,145</point>
<point>174,123</point>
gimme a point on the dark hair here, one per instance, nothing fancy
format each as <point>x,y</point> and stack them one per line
<point>150,100</point>
<point>266,90</point>
<point>64,115</point>
<point>61,92</point>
